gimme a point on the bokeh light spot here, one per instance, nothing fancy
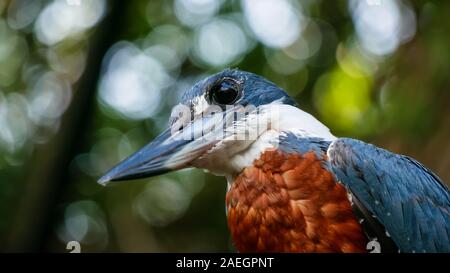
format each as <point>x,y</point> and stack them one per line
<point>220,42</point>
<point>382,27</point>
<point>195,12</point>
<point>133,82</point>
<point>84,221</point>
<point>162,202</point>
<point>60,19</point>
<point>276,23</point>
<point>343,99</point>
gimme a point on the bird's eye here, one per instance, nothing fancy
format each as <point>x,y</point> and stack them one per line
<point>225,92</point>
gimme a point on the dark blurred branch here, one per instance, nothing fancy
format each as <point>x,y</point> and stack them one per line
<point>48,176</point>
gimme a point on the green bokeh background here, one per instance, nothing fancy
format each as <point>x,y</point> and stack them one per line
<point>84,83</point>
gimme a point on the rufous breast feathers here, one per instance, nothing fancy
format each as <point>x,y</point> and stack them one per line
<point>288,202</point>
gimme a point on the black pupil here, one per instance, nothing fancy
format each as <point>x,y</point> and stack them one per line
<point>225,93</point>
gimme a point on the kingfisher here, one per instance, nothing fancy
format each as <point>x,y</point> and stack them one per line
<point>292,185</point>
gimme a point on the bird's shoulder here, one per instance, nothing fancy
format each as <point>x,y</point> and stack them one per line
<point>401,193</point>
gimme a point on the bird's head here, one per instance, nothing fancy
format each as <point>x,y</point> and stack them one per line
<point>221,124</point>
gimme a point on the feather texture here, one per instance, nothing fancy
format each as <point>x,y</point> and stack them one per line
<point>411,202</point>
<point>288,202</point>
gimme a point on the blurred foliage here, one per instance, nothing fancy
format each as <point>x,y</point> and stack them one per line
<point>374,69</point>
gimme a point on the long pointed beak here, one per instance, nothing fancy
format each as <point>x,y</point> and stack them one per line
<point>168,152</point>
<point>151,160</point>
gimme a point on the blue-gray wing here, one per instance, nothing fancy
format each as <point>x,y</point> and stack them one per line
<point>411,202</point>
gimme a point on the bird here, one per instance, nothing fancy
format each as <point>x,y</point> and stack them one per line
<point>292,185</point>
